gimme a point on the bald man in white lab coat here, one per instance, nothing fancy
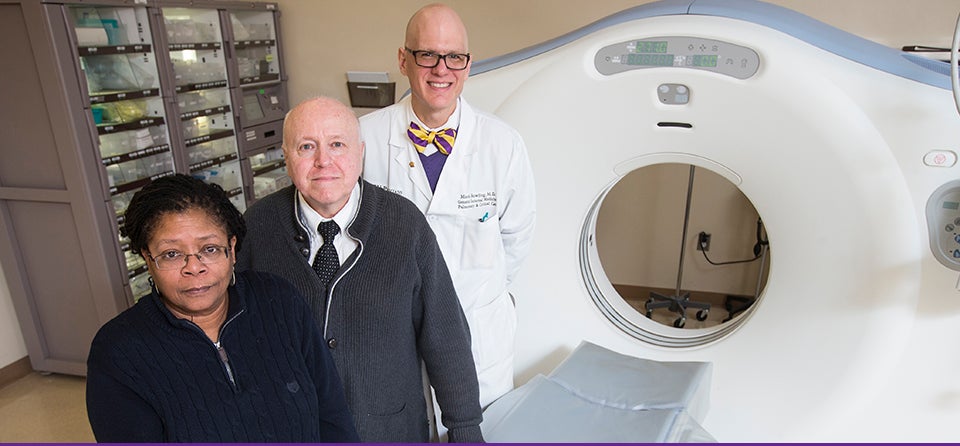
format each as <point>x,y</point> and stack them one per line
<point>468,172</point>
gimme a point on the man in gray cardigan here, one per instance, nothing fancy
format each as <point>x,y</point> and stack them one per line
<point>390,304</point>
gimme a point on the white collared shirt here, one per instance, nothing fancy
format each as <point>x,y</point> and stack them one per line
<point>453,122</point>
<point>311,219</point>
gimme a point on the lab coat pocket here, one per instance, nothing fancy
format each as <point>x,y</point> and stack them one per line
<point>493,327</point>
<point>481,242</point>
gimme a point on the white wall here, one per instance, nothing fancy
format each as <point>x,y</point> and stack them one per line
<point>12,347</point>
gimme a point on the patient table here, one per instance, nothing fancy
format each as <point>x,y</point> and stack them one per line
<point>600,396</point>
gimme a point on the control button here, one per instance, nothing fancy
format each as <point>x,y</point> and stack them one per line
<point>950,228</point>
<point>332,343</point>
<point>956,238</point>
<point>673,94</point>
<point>940,158</point>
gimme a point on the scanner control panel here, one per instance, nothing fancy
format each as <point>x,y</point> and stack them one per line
<point>943,224</point>
<point>678,52</point>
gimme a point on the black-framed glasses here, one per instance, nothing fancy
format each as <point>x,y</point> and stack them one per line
<point>173,259</point>
<point>429,59</point>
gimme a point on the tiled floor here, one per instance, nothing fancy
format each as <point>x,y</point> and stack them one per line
<point>44,409</point>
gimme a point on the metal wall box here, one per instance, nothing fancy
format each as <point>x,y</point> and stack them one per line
<point>371,94</point>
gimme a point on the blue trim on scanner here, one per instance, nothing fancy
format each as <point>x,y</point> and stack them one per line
<point>787,21</point>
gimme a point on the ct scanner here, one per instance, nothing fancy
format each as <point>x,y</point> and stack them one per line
<point>847,149</point>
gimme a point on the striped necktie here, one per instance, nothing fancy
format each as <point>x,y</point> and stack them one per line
<point>442,138</point>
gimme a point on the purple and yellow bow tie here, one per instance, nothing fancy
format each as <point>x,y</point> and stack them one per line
<point>442,138</point>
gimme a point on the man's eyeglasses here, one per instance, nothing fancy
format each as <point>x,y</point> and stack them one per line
<point>173,259</point>
<point>429,59</point>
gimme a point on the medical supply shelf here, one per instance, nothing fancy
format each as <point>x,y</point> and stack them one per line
<point>195,39</point>
<point>267,170</point>
<point>121,73</point>
<point>122,92</point>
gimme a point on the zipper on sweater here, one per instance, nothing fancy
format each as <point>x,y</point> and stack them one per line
<point>222,353</point>
<point>226,364</point>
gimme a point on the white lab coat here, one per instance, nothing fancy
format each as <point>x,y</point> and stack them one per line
<point>483,215</point>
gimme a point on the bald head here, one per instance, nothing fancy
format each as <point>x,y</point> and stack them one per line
<point>323,152</point>
<point>435,30</point>
<point>312,107</point>
<point>439,19</point>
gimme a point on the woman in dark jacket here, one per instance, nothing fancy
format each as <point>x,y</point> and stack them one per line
<point>209,355</point>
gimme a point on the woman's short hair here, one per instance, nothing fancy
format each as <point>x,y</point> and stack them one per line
<point>176,194</point>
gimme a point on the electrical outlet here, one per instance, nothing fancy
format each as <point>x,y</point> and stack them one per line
<point>703,242</point>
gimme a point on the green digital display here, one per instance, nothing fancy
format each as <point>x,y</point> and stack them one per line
<point>951,205</point>
<point>656,60</point>
<point>652,46</point>
<point>704,61</point>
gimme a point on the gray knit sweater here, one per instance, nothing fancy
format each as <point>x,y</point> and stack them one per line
<point>391,305</point>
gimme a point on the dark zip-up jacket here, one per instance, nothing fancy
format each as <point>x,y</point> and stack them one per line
<point>152,377</point>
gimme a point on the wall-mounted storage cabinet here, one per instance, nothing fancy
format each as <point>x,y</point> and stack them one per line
<point>197,48</point>
<point>104,97</point>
